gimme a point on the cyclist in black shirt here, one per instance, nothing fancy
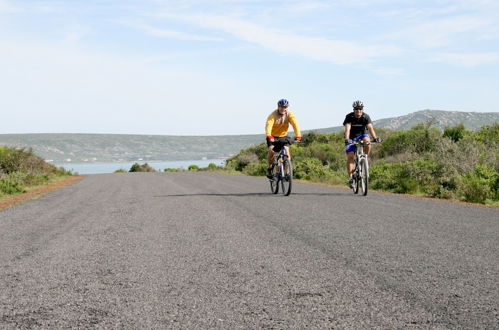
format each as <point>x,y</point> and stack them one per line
<point>356,123</point>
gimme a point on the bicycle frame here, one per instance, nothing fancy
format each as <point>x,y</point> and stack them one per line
<point>361,170</point>
<point>283,172</point>
<point>279,162</point>
<point>360,154</point>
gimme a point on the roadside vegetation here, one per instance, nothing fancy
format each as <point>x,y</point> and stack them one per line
<point>21,170</point>
<point>454,163</point>
<point>191,168</point>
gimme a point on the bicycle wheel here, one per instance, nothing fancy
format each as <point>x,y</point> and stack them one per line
<point>355,184</point>
<point>355,178</point>
<point>274,182</point>
<point>364,178</point>
<point>287,178</point>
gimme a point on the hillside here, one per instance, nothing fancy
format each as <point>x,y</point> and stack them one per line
<point>441,119</point>
<point>115,147</point>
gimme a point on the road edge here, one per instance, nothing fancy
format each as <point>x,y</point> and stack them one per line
<point>10,201</point>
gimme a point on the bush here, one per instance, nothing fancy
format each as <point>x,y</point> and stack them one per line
<point>141,168</point>
<point>23,160</point>
<point>419,139</point>
<point>474,189</point>
<point>311,169</point>
<point>12,184</point>
<point>193,168</point>
<point>480,185</point>
<point>173,170</point>
<point>256,169</point>
<point>455,133</point>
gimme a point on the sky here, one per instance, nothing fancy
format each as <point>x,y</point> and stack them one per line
<point>218,67</point>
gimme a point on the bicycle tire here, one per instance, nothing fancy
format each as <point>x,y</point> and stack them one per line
<point>287,177</point>
<point>355,183</point>
<point>274,182</point>
<point>364,178</point>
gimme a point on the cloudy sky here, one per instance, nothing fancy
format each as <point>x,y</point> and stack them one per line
<point>216,67</point>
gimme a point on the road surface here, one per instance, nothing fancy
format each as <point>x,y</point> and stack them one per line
<point>217,251</point>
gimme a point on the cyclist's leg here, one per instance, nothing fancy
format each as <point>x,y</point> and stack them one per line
<point>270,156</point>
<point>364,138</point>
<point>350,151</point>
<point>350,165</point>
<point>367,146</point>
<point>287,151</point>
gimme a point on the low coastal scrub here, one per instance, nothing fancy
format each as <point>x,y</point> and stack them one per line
<point>141,168</point>
<point>21,169</point>
<point>191,168</point>
<point>195,168</point>
<point>455,163</point>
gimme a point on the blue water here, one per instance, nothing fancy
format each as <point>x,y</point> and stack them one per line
<point>98,168</point>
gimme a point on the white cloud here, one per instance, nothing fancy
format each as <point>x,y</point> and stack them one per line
<point>302,6</point>
<point>7,7</point>
<point>163,33</point>
<point>441,32</point>
<point>317,48</point>
<point>468,59</point>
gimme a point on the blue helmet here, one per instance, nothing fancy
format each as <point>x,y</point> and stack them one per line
<point>283,103</point>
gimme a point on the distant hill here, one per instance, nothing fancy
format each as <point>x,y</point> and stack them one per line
<point>440,118</point>
<point>115,147</point>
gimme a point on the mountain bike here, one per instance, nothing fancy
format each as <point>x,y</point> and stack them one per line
<point>360,174</point>
<point>282,172</point>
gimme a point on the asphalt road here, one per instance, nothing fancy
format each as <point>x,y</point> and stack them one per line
<point>207,250</point>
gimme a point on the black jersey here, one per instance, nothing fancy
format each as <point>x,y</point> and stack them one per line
<point>358,124</point>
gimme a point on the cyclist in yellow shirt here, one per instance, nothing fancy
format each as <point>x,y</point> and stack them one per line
<point>276,130</point>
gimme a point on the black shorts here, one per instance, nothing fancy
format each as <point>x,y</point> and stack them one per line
<point>279,142</point>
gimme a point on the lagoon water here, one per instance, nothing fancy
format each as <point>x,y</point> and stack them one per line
<point>99,168</point>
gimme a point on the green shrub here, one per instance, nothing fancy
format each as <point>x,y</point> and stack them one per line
<point>173,170</point>
<point>141,168</point>
<point>489,135</point>
<point>311,169</point>
<point>193,168</point>
<point>15,160</point>
<point>256,169</point>
<point>480,185</point>
<point>12,183</point>
<point>455,133</point>
<point>419,139</point>
<point>212,166</point>
<point>474,189</point>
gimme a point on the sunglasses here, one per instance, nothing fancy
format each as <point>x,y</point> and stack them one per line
<point>358,109</point>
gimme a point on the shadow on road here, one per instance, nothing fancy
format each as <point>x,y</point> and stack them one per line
<point>252,194</point>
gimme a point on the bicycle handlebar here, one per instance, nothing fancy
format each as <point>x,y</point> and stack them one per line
<point>362,142</point>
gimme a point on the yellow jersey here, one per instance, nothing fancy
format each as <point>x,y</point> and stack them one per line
<point>278,125</point>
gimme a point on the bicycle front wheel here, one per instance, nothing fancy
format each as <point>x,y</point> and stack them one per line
<point>364,177</point>
<point>274,181</point>
<point>287,177</point>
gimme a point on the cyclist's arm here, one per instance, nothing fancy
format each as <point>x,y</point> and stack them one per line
<point>269,124</point>
<point>294,123</point>
<point>371,130</point>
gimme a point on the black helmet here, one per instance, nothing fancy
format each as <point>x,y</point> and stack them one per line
<point>358,104</point>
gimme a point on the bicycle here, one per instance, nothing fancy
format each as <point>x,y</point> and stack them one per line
<point>282,172</point>
<point>361,172</point>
